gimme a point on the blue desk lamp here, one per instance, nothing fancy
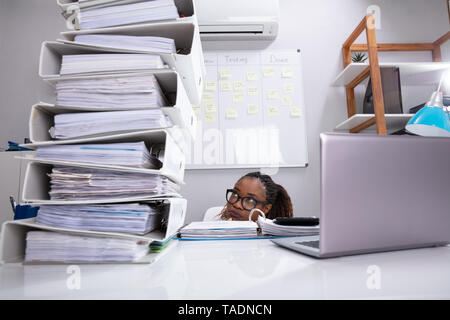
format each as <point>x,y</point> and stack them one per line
<point>433,120</point>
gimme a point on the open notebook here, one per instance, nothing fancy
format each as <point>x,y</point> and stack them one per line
<point>219,230</point>
<point>205,230</point>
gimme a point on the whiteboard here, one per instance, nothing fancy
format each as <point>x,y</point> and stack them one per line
<point>252,112</point>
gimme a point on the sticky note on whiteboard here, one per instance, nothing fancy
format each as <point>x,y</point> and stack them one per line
<point>273,111</point>
<point>207,96</point>
<point>252,76</point>
<point>295,111</point>
<point>272,94</point>
<point>224,73</point>
<point>196,109</point>
<point>287,73</point>
<point>210,107</point>
<point>286,100</point>
<point>252,108</point>
<point>268,72</point>
<point>252,91</point>
<point>238,97</point>
<point>210,117</point>
<point>211,86</point>
<point>231,113</point>
<point>288,88</point>
<point>239,85</point>
<point>225,86</point>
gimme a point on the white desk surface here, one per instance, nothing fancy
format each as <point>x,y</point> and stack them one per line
<point>240,269</point>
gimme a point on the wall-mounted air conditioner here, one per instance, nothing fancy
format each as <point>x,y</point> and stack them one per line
<point>237,19</point>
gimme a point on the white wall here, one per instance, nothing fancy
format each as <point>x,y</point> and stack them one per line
<point>318,28</point>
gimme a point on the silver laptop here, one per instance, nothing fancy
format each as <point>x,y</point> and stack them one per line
<point>380,193</point>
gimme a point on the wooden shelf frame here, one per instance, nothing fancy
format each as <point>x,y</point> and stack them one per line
<point>373,68</point>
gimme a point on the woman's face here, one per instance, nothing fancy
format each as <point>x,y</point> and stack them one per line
<point>247,187</point>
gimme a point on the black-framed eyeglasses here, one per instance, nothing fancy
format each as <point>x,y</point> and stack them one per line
<point>248,203</point>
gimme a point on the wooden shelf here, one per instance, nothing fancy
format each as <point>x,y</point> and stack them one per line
<point>411,73</point>
<point>394,122</point>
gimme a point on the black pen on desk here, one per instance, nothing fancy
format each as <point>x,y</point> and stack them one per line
<point>13,203</point>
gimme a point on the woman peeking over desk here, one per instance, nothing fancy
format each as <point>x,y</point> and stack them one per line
<point>256,191</point>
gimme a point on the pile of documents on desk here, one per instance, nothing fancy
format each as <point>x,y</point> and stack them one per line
<point>140,43</point>
<point>109,199</point>
<point>133,154</point>
<point>219,230</point>
<point>268,227</point>
<point>73,125</point>
<point>109,62</point>
<point>119,91</point>
<point>147,11</point>
<point>134,218</point>
<point>60,247</point>
<point>76,183</point>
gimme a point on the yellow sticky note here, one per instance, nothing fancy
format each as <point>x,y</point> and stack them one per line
<point>211,86</point>
<point>207,96</point>
<point>238,97</point>
<point>272,94</point>
<point>252,91</point>
<point>252,76</point>
<point>224,73</point>
<point>286,100</point>
<point>210,107</point>
<point>288,88</point>
<point>231,113</point>
<point>268,72</point>
<point>225,86</point>
<point>273,111</point>
<point>287,73</point>
<point>210,117</point>
<point>239,85</point>
<point>196,109</point>
<point>295,111</point>
<point>252,109</point>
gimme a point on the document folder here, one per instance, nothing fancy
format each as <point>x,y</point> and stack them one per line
<point>37,185</point>
<point>185,8</point>
<point>188,62</point>
<point>180,112</point>
<point>172,158</point>
<point>13,233</point>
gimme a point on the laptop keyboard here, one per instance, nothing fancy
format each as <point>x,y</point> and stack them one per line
<point>312,244</point>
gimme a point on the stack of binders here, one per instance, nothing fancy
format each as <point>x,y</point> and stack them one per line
<point>110,148</point>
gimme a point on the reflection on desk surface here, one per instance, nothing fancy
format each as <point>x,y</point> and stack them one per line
<point>239,269</point>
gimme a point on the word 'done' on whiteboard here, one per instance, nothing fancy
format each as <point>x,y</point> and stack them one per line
<point>252,112</point>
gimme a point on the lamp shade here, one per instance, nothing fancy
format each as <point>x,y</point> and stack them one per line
<point>430,122</point>
<point>433,120</point>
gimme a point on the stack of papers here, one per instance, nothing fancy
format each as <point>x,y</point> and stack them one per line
<point>104,3</point>
<point>127,14</point>
<point>45,246</point>
<point>151,44</point>
<point>73,183</point>
<point>72,125</point>
<point>268,227</point>
<point>219,230</point>
<point>131,218</point>
<point>109,62</point>
<point>125,92</point>
<point>133,154</point>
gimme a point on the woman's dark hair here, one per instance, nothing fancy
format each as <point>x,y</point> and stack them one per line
<point>276,195</point>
